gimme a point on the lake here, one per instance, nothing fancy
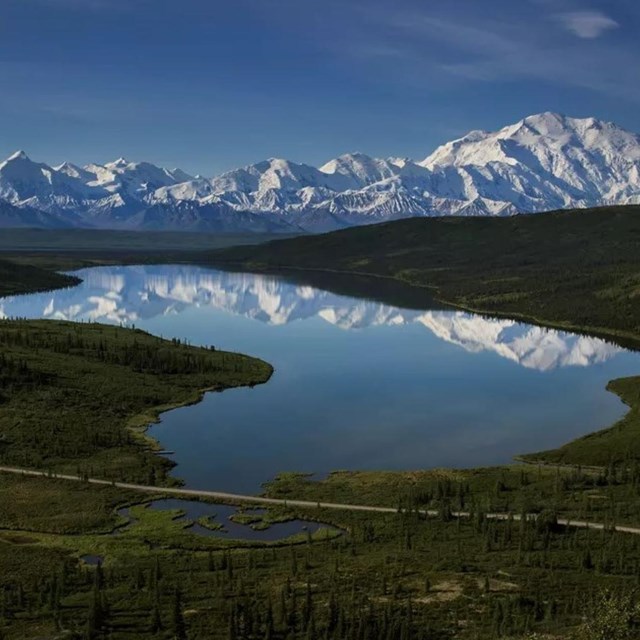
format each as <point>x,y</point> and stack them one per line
<point>358,383</point>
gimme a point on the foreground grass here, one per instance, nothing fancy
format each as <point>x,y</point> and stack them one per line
<point>391,576</point>
<point>73,398</point>
<point>58,507</point>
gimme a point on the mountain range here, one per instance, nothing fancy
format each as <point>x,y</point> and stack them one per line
<point>130,295</point>
<point>544,162</point>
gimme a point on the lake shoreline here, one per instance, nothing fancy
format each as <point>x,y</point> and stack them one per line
<point>626,340</point>
<point>142,423</point>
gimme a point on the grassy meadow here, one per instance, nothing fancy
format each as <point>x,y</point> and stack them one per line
<point>77,398</point>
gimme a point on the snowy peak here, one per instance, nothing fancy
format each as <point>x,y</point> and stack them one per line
<point>136,176</point>
<point>22,181</point>
<point>96,195</point>
<point>548,124</point>
<point>359,170</point>
<point>120,163</point>
<point>22,160</point>
<point>288,176</point>
<point>545,161</point>
<point>274,173</point>
<point>542,162</point>
<point>545,132</point>
<point>18,155</point>
<point>73,171</point>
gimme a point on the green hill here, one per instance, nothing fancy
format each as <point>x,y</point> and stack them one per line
<point>21,278</point>
<point>577,269</point>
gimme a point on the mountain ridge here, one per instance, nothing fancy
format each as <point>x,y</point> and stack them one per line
<point>543,162</point>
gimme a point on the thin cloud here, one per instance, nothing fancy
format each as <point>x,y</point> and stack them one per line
<point>587,24</point>
<point>439,46</point>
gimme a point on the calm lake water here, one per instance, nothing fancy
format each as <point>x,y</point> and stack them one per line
<point>358,384</point>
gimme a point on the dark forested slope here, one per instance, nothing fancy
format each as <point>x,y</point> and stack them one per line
<point>574,268</point>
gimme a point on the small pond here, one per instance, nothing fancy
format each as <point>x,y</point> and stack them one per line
<point>220,525</point>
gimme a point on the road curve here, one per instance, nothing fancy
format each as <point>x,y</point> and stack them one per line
<point>239,498</point>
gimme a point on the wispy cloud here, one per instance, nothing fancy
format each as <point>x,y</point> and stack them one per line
<point>587,24</point>
<point>515,44</point>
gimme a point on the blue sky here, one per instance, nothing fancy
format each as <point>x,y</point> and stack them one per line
<point>209,85</point>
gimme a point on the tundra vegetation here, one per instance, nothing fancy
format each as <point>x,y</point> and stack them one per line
<point>76,398</point>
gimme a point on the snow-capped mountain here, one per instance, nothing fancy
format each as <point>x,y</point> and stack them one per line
<point>130,295</point>
<point>543,162</point>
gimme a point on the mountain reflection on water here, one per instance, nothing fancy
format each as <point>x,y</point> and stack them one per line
<point>129,295</point>
<point>360,382</point>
